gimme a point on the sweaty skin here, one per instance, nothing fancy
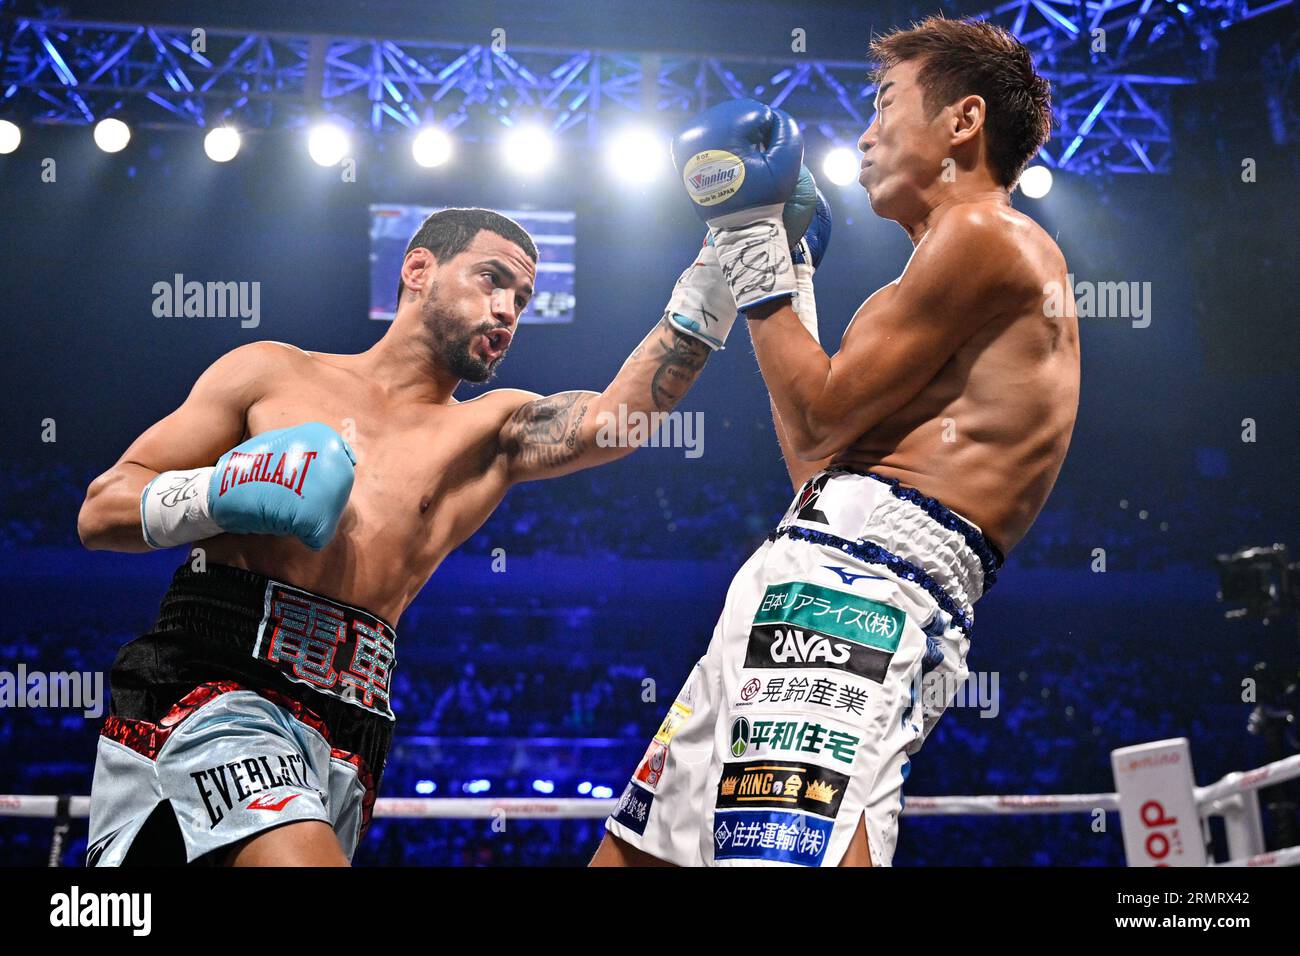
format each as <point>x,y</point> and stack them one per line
<point>988,433</point>
<point>959,378</point>
<point>430,469</point>
<point>956,378</point>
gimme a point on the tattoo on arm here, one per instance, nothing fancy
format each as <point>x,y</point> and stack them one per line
<point>545,433</point>
<point>681,357</point>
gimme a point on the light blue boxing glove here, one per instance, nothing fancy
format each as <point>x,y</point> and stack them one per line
<point>740,162</point>
<point>290,481</point>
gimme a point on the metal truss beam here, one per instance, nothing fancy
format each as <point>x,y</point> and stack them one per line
<point>1112,116</point>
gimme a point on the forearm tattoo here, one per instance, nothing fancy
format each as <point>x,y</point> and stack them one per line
<point>681,357</point>
<point>546,433</point>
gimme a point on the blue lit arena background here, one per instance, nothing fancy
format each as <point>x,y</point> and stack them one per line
<point>532,681</point>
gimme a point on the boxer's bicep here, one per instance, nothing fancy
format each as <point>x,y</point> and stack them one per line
<point>214,416</point>
<point>551,436</point>
<point>208,423</point>
<point>897,343</point>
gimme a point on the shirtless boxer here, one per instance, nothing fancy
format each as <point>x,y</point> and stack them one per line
<point>922,451</point>
<point>251,724</point>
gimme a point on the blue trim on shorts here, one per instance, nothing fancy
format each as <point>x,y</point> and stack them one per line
<point>870,553</point>
<point>990,557</point>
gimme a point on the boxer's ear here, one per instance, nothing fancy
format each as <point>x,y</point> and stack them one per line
<point>418,267</point>
<point>968,116</point>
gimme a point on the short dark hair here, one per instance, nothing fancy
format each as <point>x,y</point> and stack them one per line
<point>961,57</point>
<point>448,232</point>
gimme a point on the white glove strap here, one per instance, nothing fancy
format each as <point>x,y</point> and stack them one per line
<point>805,303</point>
<point>755,255</point>
<point>174,508</point>
<point>701,303</point>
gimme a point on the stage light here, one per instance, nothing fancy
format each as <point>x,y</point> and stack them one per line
<point>584,788</point>
<point>544,786</point>
<point>841,166</point>
<point>602,793</point>
<point>221,144</point>
<point>529,148</point>
<point>431,147</point>
<point>1036,182</point>
<point>112,135</point>
<point>476,786</point>
<point>425,787</point>
<point>328,144</point>
<point>10,136</point>
<point>637,155</point>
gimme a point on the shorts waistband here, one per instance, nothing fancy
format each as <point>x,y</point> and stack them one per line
<point>329,647</point>
<point>230,624</point>
<point>879,520</point>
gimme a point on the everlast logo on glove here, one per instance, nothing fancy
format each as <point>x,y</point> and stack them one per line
<point>290,469</point>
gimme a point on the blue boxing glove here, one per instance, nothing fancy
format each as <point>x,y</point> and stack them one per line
<point>807,256</point>
<point>739,162</point>
<point>809,208</point>
<point>797,214</point>
<point>290,481</point>
<point>702,304</point>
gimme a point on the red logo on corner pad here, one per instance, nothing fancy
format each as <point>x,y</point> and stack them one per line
<point>275,806</point>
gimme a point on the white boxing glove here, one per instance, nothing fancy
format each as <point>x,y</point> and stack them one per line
<point>701,304</point>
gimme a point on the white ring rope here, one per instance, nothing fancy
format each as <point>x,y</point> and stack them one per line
<point>1288,768</point>
<point>1208,799</point>
<point>527,808</point>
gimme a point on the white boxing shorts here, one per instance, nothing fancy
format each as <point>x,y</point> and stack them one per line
<point>818,685</point>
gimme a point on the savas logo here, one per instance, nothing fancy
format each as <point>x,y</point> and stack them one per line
<point>800,624</point>
<point>795,647</point>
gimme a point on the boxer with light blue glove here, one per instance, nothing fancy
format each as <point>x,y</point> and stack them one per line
<point>290,481</point>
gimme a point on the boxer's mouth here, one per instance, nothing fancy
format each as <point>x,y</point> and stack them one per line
<point>498,340</point>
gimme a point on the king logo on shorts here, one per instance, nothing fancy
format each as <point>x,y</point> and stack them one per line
<point>805,625</point>
<point>781,785</point>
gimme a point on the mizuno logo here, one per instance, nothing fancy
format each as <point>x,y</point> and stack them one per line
<point>848,577</point>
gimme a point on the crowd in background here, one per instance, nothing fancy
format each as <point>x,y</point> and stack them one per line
<point>724,513</point>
